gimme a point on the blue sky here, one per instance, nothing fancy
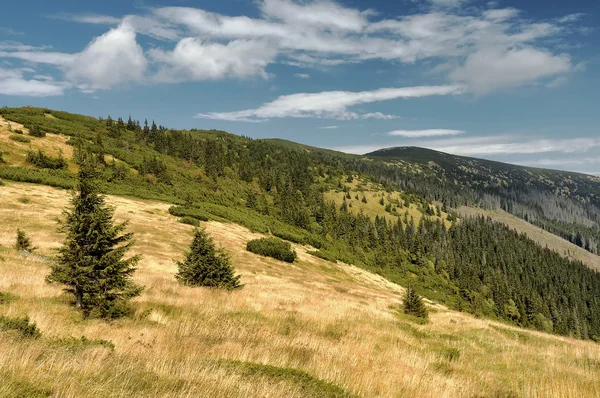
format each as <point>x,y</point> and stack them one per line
<point>515,81</point>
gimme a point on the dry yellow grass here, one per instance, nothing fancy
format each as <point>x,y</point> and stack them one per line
<point>16,152</point>
<point>334,321</point>
<point>544,238</point>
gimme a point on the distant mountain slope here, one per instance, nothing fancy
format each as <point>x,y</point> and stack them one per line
<point>564,203</point>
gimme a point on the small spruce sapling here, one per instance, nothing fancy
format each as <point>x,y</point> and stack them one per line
<point>413,304</point>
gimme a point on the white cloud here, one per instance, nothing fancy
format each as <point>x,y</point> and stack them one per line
<point>42,57</point>
<point>87,18</point>
<point>494,68</point>
<point>324,13</point>
<point>328,127</point>
<point>328,104</point>
<point>109,60</point>
<point>482,49</point>
<point>378,115</point>
<point>193,59</point>
<point>424,133</point>
<point>449,3</point>
<point>302,75</point>
<point>522,147</point>
<point>571,18</point>
<point>12,82</point>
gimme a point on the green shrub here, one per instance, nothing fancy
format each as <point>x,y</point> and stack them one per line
<point>7,297</point>
<point>22,325</point>
<point>35,131</point>
<point>272,247</point>
<point>2,157</point>
<point>20,138</point>
<point>43,161</point>
<point>18,131</point>
<point>54,178</point>
<point>190,221</point>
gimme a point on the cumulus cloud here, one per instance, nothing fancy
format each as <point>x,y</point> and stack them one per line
<point>494,68</point>
<point>481,49</point>
<point>302,75</point>
<point>193,59</point>
<point>110,59</point>
<point>329,104</point>
<point>12,82</point>
<point>424,133</point>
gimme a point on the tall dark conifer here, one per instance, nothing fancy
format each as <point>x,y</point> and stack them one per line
<point>90,263</point>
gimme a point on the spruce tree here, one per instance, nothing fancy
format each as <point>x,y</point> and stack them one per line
<point>23,243</point>
<point>90,263</point>
<point>206,266</point>
<point>413,304</point>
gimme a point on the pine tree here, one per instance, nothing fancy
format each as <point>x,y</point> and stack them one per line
<point>413,304</point>
<point>206,266</point>
<point>90,263</point>
<point>23,243</point>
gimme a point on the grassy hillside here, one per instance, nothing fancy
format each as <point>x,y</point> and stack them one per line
<point>564,203</point>
<point>308,329</point>
<point>366,197</point>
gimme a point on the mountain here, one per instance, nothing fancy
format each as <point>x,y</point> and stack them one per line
<point>564,203</point>
<point>396,217</point>
<point>363,228</point>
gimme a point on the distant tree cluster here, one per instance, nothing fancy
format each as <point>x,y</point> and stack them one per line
<point>43,161</point>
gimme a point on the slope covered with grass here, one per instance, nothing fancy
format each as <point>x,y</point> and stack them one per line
<point>312,328</point>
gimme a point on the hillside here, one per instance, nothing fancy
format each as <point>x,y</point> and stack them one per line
<point>542,237</point>
<point>308,329</point>
<point>295,193</point>
<point>564,203</point>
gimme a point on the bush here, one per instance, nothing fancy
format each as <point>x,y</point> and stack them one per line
<point>22,325</point>
<point>7,297</point>
<point>20,138</point>
<point>190,221</point>
<point>272,247</point>
<point>43,161</point>
<point>35,131</point>
<point>2,158</point>
<point>18,131</point>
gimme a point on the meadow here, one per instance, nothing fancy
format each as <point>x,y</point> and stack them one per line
<point>313,328</point>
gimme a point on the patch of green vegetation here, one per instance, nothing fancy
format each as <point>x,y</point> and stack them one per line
<point>272,247</point>
<point>43,161</point>
<point>22,325</point>
<point>513,334</point>
<point>77,344</point>
<point>24,199</point>
<point>322,255</point>
<point>14,386</point>
<point>190,221</point>
<point>20,138</point>
<point>6,298</point>
<point>313,386</point>
<point>449,354</point>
